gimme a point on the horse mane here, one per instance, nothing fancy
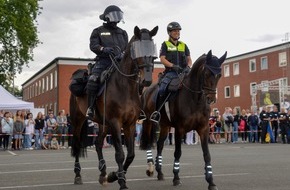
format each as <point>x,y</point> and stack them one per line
<point>197,64</point>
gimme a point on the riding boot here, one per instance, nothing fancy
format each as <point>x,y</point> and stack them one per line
<point>91,101</point>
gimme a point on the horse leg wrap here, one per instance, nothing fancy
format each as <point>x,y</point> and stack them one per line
<point>158,164</point>
<point>77,168</point>
<point>208,173</point>
<point>102,164</point>
<point>149,156</point>
<point>176,167</point>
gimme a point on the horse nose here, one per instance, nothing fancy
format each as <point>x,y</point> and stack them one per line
<point>146,83</point>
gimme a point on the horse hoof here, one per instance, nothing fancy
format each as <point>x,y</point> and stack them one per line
<point>112,177</point>
<point>103,180</point>
<point>125,187</point>
<point>160,177</point>
<point>176,182</point>
<point>78,181</point>
<point>212,188</point>
<point>149,174</point>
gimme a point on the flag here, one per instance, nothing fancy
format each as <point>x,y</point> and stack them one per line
<point>269,134</point>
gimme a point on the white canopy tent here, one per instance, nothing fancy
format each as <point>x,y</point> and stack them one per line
<point>10,102</point>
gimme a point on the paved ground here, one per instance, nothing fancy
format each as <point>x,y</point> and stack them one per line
<point>235,166</point>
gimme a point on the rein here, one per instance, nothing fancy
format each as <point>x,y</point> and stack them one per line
<point>204,89</point>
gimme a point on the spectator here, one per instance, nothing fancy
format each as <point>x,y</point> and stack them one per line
<point>288,126</point>
<point>243,125</point>
<point>283,124</point>
<point>62,127</point>
<point>212,123</point>
<point>17,131</point>
<point>54,144</point>
<point>51,125</point>
<point>7,129</point>
<point>253,122</point>
<point>138,132</point>
<point>1,134</point>
<point>45,144</point>
<point>69,130</point>
<point>189,138</point>
<point>236,123</point>
<point>39,126</point>
<point>265,118</point>
<point>228,121</point>
<point>29,131</point>
<point>218,126</point>
<point>274,117</point>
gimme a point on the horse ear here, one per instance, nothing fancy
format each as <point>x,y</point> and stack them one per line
<point>153,32</point>
<point>223,58</point>
<point>137,32</point>
<point>208,56</point>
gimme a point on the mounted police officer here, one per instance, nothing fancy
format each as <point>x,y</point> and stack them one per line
<point>104,41</point>
<point>175,56</point>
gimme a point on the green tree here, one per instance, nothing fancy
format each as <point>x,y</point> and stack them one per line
<point>18,36</point>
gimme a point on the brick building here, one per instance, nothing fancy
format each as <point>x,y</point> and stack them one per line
<point>248,78</point>
<point>48,88</point>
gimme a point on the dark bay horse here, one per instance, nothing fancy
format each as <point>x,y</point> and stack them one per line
<point>117,108</point>
<point>188,110</point>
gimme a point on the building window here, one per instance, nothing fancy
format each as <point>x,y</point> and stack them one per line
<point>47,81</point>
<point>36,89</point>
<point>43,85</point>
<point>227,92</point>
<point>237,91</point>
<point>253,88</point>
<point>39,87</point>
<point>252,65</point>
<point>55,78</point>
<point>51,81</point>
<point>264,63</point>
<point>282,59</point>
<point>236,69</point>
<point>226,70</point>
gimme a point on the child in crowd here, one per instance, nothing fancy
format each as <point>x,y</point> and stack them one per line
<point>45,144</point>
<point>54,144</point>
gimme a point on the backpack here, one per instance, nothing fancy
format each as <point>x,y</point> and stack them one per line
<point>79,81</point>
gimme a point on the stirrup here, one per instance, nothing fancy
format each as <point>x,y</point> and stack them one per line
<point>155,116</point>
<point>142,116</point>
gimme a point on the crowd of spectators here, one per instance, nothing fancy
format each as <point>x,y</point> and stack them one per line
<point>23,131</point>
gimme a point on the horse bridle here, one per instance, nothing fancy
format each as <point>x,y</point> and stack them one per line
<point>204,89</point>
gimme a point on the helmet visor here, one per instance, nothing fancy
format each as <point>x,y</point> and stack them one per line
<point>143,48</point>
<point>115,16</point>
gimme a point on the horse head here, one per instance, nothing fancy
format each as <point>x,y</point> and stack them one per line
<point>143,52</point>
<point>208,72</point>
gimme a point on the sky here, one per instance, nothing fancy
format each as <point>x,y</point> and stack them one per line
<point>235,26</point>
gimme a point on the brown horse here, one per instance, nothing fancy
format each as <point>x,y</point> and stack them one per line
<point>117,108</point>
<point>188,110</point>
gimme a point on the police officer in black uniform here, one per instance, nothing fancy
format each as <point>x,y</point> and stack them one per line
<point>274,115</point>
<point>265,118</point>
<point>283,124</point>
<point>175,56</point>
<point>103,42</point>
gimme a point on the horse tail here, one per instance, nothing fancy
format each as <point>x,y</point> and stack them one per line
<point>79,128</point>
<point>148,133</point>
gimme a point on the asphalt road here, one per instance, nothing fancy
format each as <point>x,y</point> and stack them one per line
<point>235,167</point>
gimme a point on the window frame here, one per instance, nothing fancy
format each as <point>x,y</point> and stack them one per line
<point>252,61</point>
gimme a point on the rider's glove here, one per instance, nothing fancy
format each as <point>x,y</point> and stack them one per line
<point>108,50</point>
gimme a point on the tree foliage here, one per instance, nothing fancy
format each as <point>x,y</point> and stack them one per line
<point>18,36</point>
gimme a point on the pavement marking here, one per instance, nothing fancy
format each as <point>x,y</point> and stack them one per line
<point>12,153</point>
<point>85,168</point>
<point>128,180</point>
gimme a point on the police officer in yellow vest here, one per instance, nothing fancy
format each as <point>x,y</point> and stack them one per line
<point>175,56</point>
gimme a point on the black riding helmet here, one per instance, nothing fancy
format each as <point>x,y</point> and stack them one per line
<point>173,26</point>
<point>112,14</point>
